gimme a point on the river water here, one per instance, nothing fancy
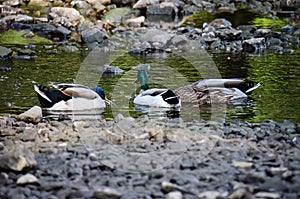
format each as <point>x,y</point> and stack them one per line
<point>277,98</point>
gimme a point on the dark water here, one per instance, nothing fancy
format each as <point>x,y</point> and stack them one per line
<point>277,99</point>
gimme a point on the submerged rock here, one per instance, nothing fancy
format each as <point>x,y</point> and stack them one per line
<point>5,53</point>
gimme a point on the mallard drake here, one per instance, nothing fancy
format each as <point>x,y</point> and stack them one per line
<point>70,97</point>
<point>155,97</point>
<point>216,90</point>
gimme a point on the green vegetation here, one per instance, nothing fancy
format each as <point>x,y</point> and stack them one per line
<point>274,24</point>
<point>199,18</point>
<point>12,37</point>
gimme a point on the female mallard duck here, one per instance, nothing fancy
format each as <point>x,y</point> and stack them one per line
<point>216,90</point>
<point>70,97</point>
<point>155,97</point>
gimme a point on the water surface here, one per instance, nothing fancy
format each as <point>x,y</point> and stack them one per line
<point>277,99</point>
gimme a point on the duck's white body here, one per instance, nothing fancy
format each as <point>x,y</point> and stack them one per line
<point>155,98</point>
<point>69,97</point>
<point>78,104</point>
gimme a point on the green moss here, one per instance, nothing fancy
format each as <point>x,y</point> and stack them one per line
<point>274,24</point>
<point>199,18</point>
<point>17,38</point>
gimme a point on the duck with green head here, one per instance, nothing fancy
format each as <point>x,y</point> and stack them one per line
<point>155,97</point>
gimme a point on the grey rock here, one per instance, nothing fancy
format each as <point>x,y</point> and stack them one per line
<point>155,35</point>
<point>18,159</point>
<point>68,49</point>
<point>110,70</point>
<point>287,29</point>
<point>5,69</point>
<point>164,8</point>
<point>27,179</point>
<point>263,32</point>
<point>122,2</point>
<point>34,114</point>
<point>229,34</point>
<point>5,53</point>
<point>169,187</point>
<point>44,28</point>
<point>107,193</point>
<point>116,15</point>
<point>93,35</point>
<point>179,40</point>
<point>220,23</point>
<point>254,45</point>
<point>25,53</point>
<point>3,178</point>
<point>241,193</point>
<point>66,16</point>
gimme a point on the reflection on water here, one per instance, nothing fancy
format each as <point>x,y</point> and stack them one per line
<point>276,99</point>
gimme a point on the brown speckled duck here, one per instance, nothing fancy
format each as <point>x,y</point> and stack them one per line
<point>210,91</point>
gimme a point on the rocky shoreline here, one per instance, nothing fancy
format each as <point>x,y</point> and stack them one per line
<point>142,158</point>
<point>124,24</point>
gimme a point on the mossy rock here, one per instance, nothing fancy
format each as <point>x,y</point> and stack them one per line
<point>12,37</point>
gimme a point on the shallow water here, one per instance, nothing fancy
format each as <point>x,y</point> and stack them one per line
<point>277,99</point>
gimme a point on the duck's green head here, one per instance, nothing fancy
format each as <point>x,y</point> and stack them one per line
<point>143,79</point>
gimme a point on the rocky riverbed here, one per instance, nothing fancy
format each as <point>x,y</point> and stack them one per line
<point>127,24</point>
<point>143,158</point>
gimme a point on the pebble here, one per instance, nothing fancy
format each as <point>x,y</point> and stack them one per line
<point>267,195</point>
<point>174,195</point>
<point>107,193</point>
<point>27,179</point>
<point>243,165</point>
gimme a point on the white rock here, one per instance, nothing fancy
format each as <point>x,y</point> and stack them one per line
<point>144,3</point>
<point>174,195</point>
<point>27,179</point>
<point>267,195</point>
<point>240,164</point>
<point>34,114</point>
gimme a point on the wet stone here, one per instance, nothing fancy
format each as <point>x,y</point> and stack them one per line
<point>5,53</point>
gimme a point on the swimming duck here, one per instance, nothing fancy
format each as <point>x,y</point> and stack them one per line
<point>155,97</point>
<point>216,90</point>
<point>70,97</point>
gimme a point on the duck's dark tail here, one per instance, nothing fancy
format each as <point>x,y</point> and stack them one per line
<point>48,97</point>
<point>170,97</point>
<point>248,86</point>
